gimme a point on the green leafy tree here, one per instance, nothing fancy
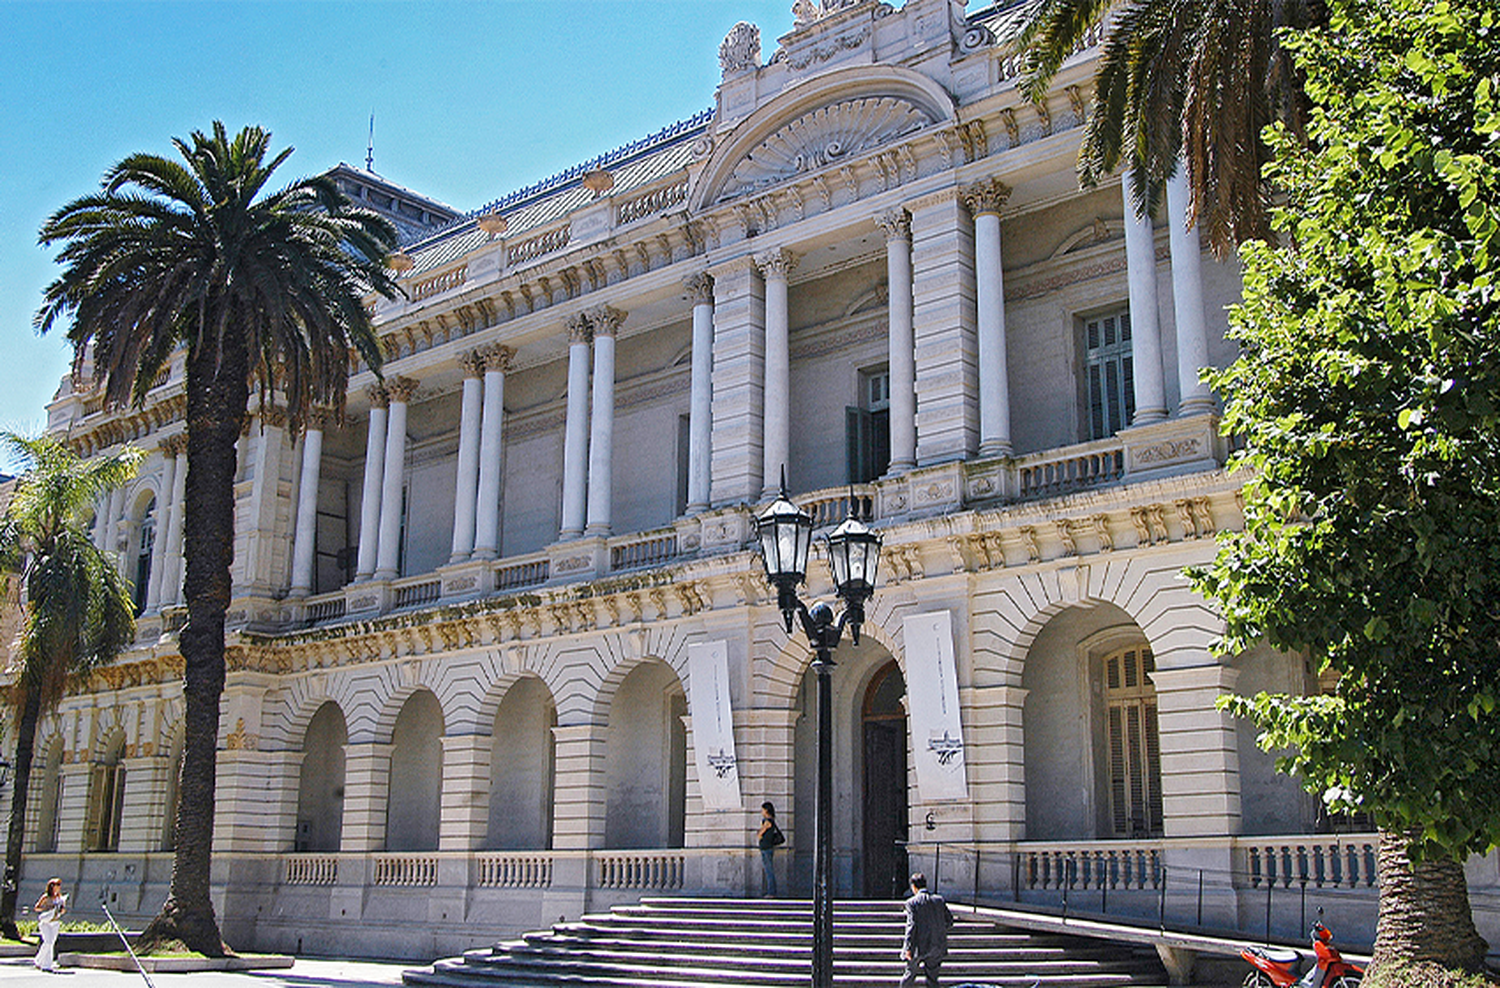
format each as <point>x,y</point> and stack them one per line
<point>261,289</point>
<point>1369,395</point>
<point>78,612</point>
<point>1195,79</point>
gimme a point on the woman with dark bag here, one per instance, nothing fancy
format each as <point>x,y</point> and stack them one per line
<point>769,837</point>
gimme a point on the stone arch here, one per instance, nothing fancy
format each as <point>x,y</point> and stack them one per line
<point>386,696</point>
<point>301,700</point>
<point>48,790</point>
<point>645,757</point>
<point>926,98</point>
<point>523,762</point>
<point>320,780</point>
<point>415,788</point>
<point>781,661</point>
<point>106,794</point>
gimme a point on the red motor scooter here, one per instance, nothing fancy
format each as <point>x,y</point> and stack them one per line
<point>1275,967</point>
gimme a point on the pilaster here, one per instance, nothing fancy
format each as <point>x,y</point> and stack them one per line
<point>995,752</point>
<point>578,787</point>
<point>1200,761</point>
<point>465,809</point>
<point>143,814</point>
<point>367,775</point>
<point>944,316</point>
<point>265,540</point>
<point>739,382</point>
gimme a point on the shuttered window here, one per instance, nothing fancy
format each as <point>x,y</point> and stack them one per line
<point>1134,748</point>
<point>1109,373</point>
<point>106,806</point>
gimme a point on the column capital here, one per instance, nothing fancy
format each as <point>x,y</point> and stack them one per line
<point>497,357</point>
<point>579,330</point>
<point>472,361</point>
<point>401,388</point>
<point>605,319</point>
<point>319,416</point>
<point>273,416</point>
<point>174,445</point>
<point>379,398</point>
<point>985,197</point>
<point>776,263</point>
<point>896,223</point>
<point>700,287</point>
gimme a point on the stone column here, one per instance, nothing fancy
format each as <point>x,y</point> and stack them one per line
<point>739,375</point>
<point>578,802</point>
<point>263,540</point>
<point>984,201</point>
<point>902,356</point>
<point>171,574</point>
<point>1200,761</point>
<point>369,503</point>
<point>576,435</point>
<point>1145,328</point>
<point>466,484</point>
<point>116,499</point>
<point>163,517</point>
<point>1187,297</point>
<point>944,317</point>
<point>465,813</point>
<point>367,784</point>
<point>775,266</point>
<point>305,540</point>
<point>700,403</point>
<point>497,362</point>
<point>995,750</point>
<point>605,321</point>
<point>388,553</point>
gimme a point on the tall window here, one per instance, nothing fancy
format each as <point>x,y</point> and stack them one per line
<point>106,800</point>
<point>1108,372</point>
<point>1134,751</point>
<point>868,428</point>
<point>143,559</point>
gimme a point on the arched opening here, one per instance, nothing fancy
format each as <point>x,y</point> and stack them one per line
<point>646,760</point>
<point>145,547</point>
<point>522,767</point>
<point>174,778</point>
<point>320,787</point>
<point>106,797</point>
<point>885,796</point>
<point>49,792</point>
<point>416,780</point>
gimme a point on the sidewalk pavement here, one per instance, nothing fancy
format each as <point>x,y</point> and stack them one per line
<point>18,972</point>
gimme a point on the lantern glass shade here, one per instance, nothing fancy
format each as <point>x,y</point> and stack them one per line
<point>854,556</point>
<point>785,532</point>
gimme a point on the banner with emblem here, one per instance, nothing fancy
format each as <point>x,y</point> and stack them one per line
<point>932,703</point>
<point>713,725</point>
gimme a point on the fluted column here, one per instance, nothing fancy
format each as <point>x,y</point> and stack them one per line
<point>304,541</point>
<point>369,502</point>
<point>700,402</point>
<point>984,202</point>
<point>163,511</point>
<point>497,361</point>
<point>576,434</point>
<point>901,340</point>
<point>1187,297</point>
<point>1145,328</point>
<point>775,266</point>
<point>466,482</point>
<point>171,574</point>
<point>605,321</point>
<point>388,556</point>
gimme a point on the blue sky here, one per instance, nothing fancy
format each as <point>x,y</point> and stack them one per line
<point>471,100</point>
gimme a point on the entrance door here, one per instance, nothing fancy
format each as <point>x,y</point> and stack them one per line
<point>885,785</point>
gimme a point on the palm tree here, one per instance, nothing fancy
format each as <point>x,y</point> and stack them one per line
<point>262,289</point>
<point>1193,80</point>
<point>78,612</point>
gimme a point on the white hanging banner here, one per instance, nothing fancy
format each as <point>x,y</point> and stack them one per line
<point>932,703</point>
<point>713,726</point>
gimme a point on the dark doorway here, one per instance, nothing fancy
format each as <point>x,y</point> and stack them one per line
<point>885,785</point>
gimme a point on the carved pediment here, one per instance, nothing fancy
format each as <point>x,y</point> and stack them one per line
<point>821,137</point>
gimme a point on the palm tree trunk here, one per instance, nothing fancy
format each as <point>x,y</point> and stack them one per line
<point>217,395</point>
<point>1425,916</point>
<point>16,833</point>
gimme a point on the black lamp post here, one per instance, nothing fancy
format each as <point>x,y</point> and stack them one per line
<point>785,533</point>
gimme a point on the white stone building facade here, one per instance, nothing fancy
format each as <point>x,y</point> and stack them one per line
<point>458,694</point>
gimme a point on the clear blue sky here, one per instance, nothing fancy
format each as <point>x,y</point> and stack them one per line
<point>471,100</point>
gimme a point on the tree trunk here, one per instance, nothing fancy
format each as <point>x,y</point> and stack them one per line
<point>16,833</point>
<point>1425,916</point>
<point>217,393</point>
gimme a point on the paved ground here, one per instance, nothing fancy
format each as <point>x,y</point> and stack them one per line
<point>306,973</point>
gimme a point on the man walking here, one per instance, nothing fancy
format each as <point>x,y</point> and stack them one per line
<point>926,941</point>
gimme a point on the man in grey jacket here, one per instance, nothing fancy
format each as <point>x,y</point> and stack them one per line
<point>926,941</point>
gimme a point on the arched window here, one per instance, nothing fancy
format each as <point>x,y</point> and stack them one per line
<point>646,760</point>
<point>174,777</point>
<point>1134,753</point>
<point>416,780</point>
<point>522,766</point>
<point>50,793</point>
<point>106,799</point>
<point>145,546</point>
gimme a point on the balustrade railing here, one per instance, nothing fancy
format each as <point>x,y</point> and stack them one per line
<point>1319,863</point>
<point>514,871</point>
<point>417,594</point>
<point>440,283</point>
<point>329,607</point>
<point>310,869</point>
<point>830,506</point>
<point>404,870</point>
<point>1074,468</point>
<point>1095,866</point>
<point>652,202</point>
<point>648,549</point>
<point>645,870</point>
<point>545,243</point>
<point>515,574</point>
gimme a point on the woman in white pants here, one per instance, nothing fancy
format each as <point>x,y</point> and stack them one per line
<point>50,908</point>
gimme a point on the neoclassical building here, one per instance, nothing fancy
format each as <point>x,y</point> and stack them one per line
<point>469,612</point>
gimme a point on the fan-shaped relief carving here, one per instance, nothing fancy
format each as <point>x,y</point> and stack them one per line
<point>822,137</point>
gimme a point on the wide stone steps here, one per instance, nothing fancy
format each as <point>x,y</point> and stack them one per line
<point>693,943</point>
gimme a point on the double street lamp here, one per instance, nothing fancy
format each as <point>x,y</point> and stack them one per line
<point>785,533</point>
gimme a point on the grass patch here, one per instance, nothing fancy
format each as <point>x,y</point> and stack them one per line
<point>1428,975</point>
<point>27,927</point>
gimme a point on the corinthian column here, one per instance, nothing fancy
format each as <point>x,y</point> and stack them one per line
<point>171,574</point>
<point>902,342</point>
<point>984,201</point>
<point>1145,329</point>
<point>576,434</point>
<point>369,501</point>
<point>605,321</point>
<point>388,555</point>
<point>700,402</point>
<point>466,483</point>
<point>1187,297</point>
<point>775,266</point>
<point>487,526</point>
<point>163,517</point>
<point>306,537</point>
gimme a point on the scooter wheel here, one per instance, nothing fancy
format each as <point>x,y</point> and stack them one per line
<point>1258,979</point>
<point>1345,981</point>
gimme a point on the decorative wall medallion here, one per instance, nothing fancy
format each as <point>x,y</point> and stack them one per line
<point>933,493</point>
<point>981,487</point>
<point>826,135</point>
<point>717,533</point>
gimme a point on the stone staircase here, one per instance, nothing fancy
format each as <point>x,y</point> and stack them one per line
<point>759,943</point>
